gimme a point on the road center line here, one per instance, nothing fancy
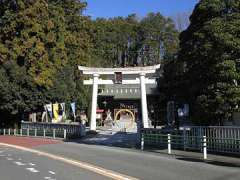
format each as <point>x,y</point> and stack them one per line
<point>19,163</point>
<point>51,172</point>
<point>49,178</point>
<point>32,170</point>
<point>87,166</point>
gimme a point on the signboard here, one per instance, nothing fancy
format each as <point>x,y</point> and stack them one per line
<point>118,78</point>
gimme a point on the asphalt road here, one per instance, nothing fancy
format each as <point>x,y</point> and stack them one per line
<point>20,165</point>
<point>143,165</point>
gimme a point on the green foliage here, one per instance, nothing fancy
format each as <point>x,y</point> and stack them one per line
<point>34,38</point>
<point>41,44</point>
<point>133,41</point>
<point>209,54</point>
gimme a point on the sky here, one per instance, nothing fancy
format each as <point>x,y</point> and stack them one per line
<point>113,8</point>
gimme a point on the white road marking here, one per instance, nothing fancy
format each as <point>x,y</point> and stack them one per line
<point>9,155</point>
<point>31,164</point>
<point>51,172</point>
<point>10,159</point>
<point>32,170</point>
<point>2,155</point>
<point>19,159</point>
<point>80,164</point>
<point>19,163</point>
<point>49,178</point>
<point>1,151</point>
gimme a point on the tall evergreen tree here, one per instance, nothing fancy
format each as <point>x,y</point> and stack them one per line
<point>41,44</point>
<point>209,53</point>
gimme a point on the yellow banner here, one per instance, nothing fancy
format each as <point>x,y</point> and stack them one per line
<point>55,113</point>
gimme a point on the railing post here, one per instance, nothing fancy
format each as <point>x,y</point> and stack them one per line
<point>204,147</point>
<point>65,134</point>
<point>9,131</point>
<point>54,133</point>
<point>4,132</point>
<point>169,144</point>
<point>184,139</point>
<point>142,142</point>
<point>27,131</point>
<point>35,132</point>
<point>20,132</point>
<point>44,133</point>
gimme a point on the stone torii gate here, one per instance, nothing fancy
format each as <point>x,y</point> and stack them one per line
<point>140,72</point>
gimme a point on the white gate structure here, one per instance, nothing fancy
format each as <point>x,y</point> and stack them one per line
<point>139,74</point>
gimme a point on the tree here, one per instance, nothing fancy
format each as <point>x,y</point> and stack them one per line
<point>209,53</point>
<point>113,39</point>
<point>133,41</point>
<point>159,38</point>
<point>32,35</point>
<point>181,20</point>
<point>41,44</point>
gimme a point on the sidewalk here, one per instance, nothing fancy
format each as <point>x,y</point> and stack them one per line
<point>221,160</point>
<point>27,141</point>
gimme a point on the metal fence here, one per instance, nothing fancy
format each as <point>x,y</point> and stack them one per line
<point>170,141</point>
<point>44,133</point>
<point>73,130</point>
<point>218,139</point>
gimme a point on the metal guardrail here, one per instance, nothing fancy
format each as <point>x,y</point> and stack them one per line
<point>220,139</point>
<point>203,144</point>
<point>44,133</point>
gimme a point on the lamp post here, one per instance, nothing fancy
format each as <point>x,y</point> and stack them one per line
<point>105,110</point>
<point>153,116</point>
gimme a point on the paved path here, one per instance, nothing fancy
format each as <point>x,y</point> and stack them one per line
<point>21,165</point>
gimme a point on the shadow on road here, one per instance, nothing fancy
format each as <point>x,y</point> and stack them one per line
<point>113,139</point>
<point>213,162</point>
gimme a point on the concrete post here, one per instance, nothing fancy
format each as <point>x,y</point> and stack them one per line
<point>14,132</point>
<point>204,147</point>
<point>44,133</point>
<point>65,134</point>
<point>20,132</point>
<point>94,103</point>
<point>142,142</point>
<point>9,132</point>
<point>27,131</point>
<point>35,132</point>
<point>144,101</point>
<point>4,132</point>
<point>169,144</point>
<point>54,133</point>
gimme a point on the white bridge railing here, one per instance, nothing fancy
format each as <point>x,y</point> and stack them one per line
<point>43,133</point>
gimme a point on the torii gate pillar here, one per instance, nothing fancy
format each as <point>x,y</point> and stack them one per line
<point>94,102</point>
<point>144,101</point>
